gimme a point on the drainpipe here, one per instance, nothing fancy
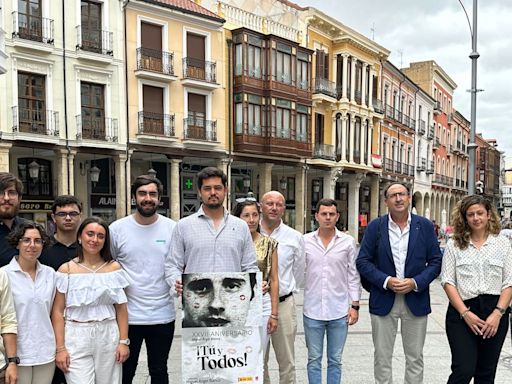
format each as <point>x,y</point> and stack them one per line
<point>230,111</point>
<point>128,196</point>
<point>68,148</point>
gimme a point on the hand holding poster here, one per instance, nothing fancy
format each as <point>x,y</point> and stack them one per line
<point>221,328</point>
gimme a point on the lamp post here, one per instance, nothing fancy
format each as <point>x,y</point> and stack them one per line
<point>474,55</point>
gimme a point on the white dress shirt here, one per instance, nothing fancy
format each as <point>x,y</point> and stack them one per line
<point>332,280</point>
<point>290,253</point>
<point>475,272</point>
<point>33,301</point>
<point>399,241</point>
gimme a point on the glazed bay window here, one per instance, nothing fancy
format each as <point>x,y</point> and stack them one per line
<point>282,69</point>
<point>255,57</point>
<point>302,71</point>
<point>283,119</point>
<point>239,64</point>
<point>239,118</point>
<point>302,124</point>
<point>254,117</point>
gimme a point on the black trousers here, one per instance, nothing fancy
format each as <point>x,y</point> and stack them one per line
<point>472,355</point>
<point>158,338</point>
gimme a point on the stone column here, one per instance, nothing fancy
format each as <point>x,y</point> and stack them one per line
<point>300,198</point>
<point>123,206</point>
<point>353,79</point>
<point>351,146</point>
<point>175,198</point>
<point>4,156</point>
<point>63,169</point>
<point>370,88</point>
<point>374,197</point>
<point>344,77</point>
<point>353,203</point>
<point>344,119</point>
<point>363,85</point>
<point>362,141</point>
<point>265,182</point>
<point>330,179</point>
<point>370,138</point>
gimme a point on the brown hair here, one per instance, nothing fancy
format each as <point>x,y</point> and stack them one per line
<point>105,251</point>
<point>459,221</point>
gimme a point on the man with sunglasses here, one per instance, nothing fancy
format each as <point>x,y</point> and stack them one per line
<point>67,215</point>
<point>399,258</point>
<point>11,189</point>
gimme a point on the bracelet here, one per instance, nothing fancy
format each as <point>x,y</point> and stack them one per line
<point>463,314</point>
<point>60,349</point>
<point>275,317</point>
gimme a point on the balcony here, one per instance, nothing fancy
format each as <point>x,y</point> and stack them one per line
<point>397,167</point>
<point>436,143</point>
<point>430,135</point>
<point>38,122</point>
<point>96,128</point>
<point>358,97</point>
<point>33,28</point>
<point>449,149</point>
<point>443,180</point>
<point>450,119</point>
<point>324,151</point>
<point>378,107</point>
<point>156,124</point>
<point>421,127</point>
<point>94,40</point>
<point>200,73</point>
<point>437,108</point>
<point>199,129</point>
<point>430,168</point>
<point>324,87</point>
<point>154,64</point>
<point>422,164</point>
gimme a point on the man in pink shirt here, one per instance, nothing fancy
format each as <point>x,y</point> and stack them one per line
<point>331,293</point>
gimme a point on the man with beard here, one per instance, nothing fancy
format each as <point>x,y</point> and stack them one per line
<point>210,240</point>
<point>11,189</point>
<point>141,243</point>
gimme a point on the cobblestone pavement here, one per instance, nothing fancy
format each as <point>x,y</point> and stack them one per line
<point>358,353</point>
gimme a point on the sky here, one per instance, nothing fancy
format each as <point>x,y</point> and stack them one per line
<point>418,30</point>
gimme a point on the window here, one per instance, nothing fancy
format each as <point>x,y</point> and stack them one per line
<point>30,20</point>
<point>31,103</point>
<point>239,118</point>
<point>153,109</point>
<point>319,128</point>
<point>239,65</point>
<point>151,55</point>
<point>91,26</point>
<point>283,123</point>
<point>254,119</point>
<point>93,111</point>
<point>302,127</point>
<point>282,64</point>
<point>42,186</point>
<point>302,73</point>
<point>322,64</point>
<point>254,55</point>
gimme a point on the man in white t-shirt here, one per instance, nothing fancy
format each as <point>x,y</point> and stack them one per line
<point>141,243</point>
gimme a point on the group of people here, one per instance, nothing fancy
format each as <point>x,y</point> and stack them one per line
<point>85,299</point>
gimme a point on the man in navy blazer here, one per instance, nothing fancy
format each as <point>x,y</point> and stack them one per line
<point>399,258</point>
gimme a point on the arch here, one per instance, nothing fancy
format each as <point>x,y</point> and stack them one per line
<point>418,200</point>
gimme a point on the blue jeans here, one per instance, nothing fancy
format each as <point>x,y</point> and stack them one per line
<point>314,331</point>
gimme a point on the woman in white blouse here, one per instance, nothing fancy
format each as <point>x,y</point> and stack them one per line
<point>33,290</point>
<point>89,316</point>
<point>477,278</point>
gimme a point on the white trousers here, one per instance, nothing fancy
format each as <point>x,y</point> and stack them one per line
<point>36,374</point>
<point>92,347</point>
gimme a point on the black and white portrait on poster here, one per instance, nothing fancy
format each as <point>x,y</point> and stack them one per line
<point>221,328</point>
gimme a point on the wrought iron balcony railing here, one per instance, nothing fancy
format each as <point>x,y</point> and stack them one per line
<point>199,129</point>
<point>33,28</point>
<point>159,124</point>
<point>96,128</point>
<point>155,61</point>
<point>200,70</point>
<point>40,122</point>
<point>94,40</point>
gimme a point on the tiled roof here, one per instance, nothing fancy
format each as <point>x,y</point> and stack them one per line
<point>187,6</point>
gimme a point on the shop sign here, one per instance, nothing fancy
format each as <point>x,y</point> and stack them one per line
<point>36,205</point>
<point>109,202</point>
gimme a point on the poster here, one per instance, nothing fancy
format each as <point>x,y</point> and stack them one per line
<point>221,328</point>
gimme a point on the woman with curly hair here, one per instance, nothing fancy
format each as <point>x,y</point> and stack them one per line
<point>33,290</point>
<point>477,278</point>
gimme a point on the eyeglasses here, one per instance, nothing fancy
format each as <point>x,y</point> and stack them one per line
<point>71,214</point>
<point>11,193</point>
<point>28,241</point>
<point>244,199</point>
<point>397,195</point>
<point>153,195</point>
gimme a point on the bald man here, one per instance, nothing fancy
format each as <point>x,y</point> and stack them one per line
<point>291,257</point>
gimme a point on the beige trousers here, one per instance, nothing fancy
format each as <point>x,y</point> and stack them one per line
<point>36,374</point>
<point>283,342</point>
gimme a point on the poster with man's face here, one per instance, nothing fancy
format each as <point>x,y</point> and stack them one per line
<point>222,332</point>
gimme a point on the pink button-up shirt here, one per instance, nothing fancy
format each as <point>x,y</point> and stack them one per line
<point>332,280</point>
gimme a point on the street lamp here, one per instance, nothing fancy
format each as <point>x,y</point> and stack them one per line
<point>474,55</point>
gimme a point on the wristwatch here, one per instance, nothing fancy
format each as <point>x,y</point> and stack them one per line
<point>124,341</point>
<point>14,359</point>
<point>500,310</point>
<point>356,307</point>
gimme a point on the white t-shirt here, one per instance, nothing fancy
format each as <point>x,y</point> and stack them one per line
<point>142,250</point>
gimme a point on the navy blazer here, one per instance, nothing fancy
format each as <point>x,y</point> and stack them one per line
<point>423,264</point>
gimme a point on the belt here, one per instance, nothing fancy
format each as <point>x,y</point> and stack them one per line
<point>283,298</point>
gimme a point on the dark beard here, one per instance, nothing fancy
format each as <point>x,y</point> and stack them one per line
<point>213,206</point>
<point>146,213</point>
<point>11,214</point>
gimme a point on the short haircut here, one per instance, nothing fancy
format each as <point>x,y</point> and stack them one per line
<point>208,172</point>
<point>105,251</point>
<point>63,200</point>
<point>145,180</point>
<point>326,203</point>
<point>19,231</point>
<point>406,186</point>
<point>9,180</point>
